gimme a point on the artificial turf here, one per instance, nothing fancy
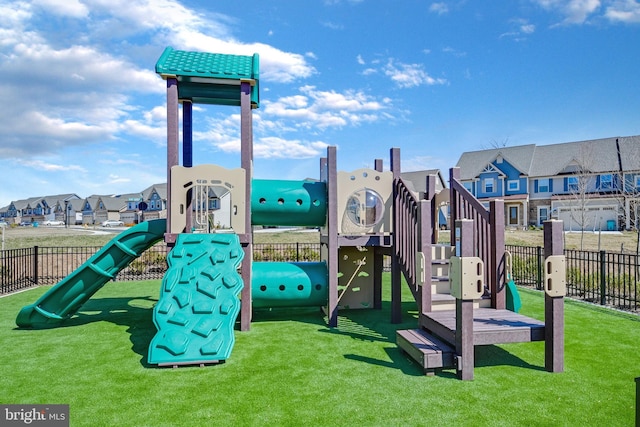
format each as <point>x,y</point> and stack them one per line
<point>291,370</point>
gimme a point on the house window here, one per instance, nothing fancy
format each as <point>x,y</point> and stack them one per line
<point>513,185</point>
<point>489,184</point>
<point>606,181</point>
<point>513,215</point>
<point>572,183</point>
<point>543,186</point>
<point>214,203</point>
<point>637,179</point>
<point>543,214</point>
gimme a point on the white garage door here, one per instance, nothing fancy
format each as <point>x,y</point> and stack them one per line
<point>594,218</point>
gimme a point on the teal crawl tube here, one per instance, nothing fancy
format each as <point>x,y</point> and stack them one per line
<point>289,284</point>
<point>296,203</point>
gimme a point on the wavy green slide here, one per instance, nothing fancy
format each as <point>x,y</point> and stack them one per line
<point>65,298</point>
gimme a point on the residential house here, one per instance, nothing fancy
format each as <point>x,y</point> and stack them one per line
<point>587,184</point>
<point>36,209</point>
<point>112,207</point>
<point>417,182</point>
<point>155,198</point>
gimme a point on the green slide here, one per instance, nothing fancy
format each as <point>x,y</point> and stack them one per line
<point>65,298</point>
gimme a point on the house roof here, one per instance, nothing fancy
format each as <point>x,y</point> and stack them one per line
<point>161,189</point>
<point>418,179</point>
<point>472,163</point>
<point>630,153</point>
<point>597,156</point>
<point>118,202</point>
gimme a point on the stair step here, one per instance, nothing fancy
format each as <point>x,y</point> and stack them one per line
<point>441,251</point>
<point>430,352</point>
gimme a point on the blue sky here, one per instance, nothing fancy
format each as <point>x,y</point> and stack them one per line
<point>84,111</point>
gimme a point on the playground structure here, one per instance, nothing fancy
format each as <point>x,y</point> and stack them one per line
<point>363,216</point>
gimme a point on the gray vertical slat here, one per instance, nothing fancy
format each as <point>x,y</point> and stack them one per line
<point>172,144</point>
<point>497,274</point>
<point>332,231</point>
<point>464,309</point>
<point>246,238</point>
<point>425,224</point>
<point>454,174</point>
<point>396,281</point>
<point>553,306</point>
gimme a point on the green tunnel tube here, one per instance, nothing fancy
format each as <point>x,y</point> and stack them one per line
<point>279,202</point>
<point>289,284</point>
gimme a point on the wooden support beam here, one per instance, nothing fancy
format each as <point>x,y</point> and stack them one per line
<point>172,146</point>
<point>497,279</point>
<point>246,238</point>
<point>378,266</point>
<point>332,235</point>
<point>553,306</point>
<point>463,230</point>
<point>396,279</point>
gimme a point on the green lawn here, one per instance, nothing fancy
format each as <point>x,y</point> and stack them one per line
<point>291,370</point>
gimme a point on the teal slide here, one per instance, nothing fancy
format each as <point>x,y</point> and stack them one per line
<point>64,299</point>
<point>513,297</point>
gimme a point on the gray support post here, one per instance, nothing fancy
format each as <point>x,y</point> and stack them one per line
<point>496,274</point>
<point>463,228</point>
<point>425,232</point>
<point>378,259</point>
<point>332,231</point>
<point>246,239</point>
<point>172,147</point>
<point>378,266</point>
<point>553,306</point>
<point>396,280</point>
<point>430,194</point>
<point>454,173</point>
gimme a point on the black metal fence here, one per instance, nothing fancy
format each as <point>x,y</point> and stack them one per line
<point>25,268</point>
<point>604,278</point>
<point>600,277</point>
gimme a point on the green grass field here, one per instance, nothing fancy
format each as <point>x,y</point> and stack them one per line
<point>291,370</point>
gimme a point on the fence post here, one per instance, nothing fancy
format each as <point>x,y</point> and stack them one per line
<point>603,281</point>
<point>539,270</point>
<point>35,265</point>
<point>297,251</point>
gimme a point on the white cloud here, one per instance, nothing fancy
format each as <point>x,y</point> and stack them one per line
<point>66,91</point>
<point>520,29</point>
<point>439,8</point>
<point>627,11</point>
<point>43,166</point>
<point>71,8</point>
<point>454,52</point>
<point>573,11</point>
<point>410,75</point>
<point>332,25</point>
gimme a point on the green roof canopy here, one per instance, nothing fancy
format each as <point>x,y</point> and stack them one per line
<point>210,78</point>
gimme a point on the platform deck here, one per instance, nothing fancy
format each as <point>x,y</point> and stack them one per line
<point>490,326</point>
